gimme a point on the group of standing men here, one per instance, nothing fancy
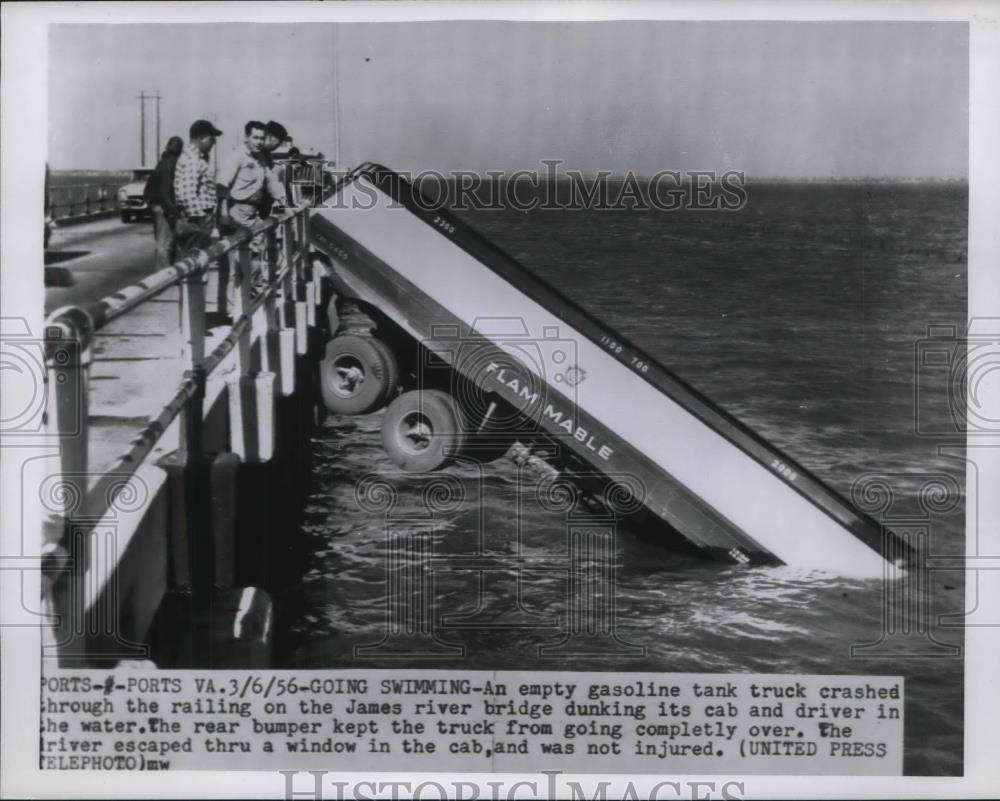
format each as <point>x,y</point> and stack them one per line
<point>187,202</point>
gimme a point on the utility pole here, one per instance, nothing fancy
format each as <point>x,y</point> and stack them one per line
<point>158,151</point>
<point>142,127</point>
<point>143,97</point>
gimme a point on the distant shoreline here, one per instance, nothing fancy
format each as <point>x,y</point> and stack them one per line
<point>87,173</point>
<point>750,178</point>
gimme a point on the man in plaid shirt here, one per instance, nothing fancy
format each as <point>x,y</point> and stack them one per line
<point>194,189</point>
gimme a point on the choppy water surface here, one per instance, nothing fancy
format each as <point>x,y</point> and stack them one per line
<point>800,315</point>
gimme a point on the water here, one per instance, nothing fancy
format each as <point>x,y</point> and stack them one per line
<point>800,315</point>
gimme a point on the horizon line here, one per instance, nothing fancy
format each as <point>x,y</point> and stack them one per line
<point>627,174</point>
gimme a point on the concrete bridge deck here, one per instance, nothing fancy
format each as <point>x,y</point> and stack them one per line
<point>137,359</point>
<point>85,262</point>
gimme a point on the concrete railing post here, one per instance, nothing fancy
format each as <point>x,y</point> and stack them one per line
<point>186,467</point>
<point>244,279</point>
<point>251,392</point>
<point>251,416</point>
<point>202,486</point>
<point>280,340</point>
<point>68,338</point>
<point>186,480</point>
<point>304,217</point>
<point>68,354</point>
<point>296,311</point>
<point>309,288</point>
<point>288,280</point>
<point>193,320</point>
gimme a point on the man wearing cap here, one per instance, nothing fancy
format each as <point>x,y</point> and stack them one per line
<point>275,135</point>
<point>194,189</point>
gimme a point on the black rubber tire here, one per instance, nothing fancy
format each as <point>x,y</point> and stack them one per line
<point>392,370</point>
<point>126,217</point>
<point>421,429</point>
<point>333,316</point>
<point>355,375</point>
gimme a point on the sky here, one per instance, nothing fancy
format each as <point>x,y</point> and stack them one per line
<point>775,99</point>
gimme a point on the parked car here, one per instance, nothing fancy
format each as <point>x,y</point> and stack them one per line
<point>131,203</point>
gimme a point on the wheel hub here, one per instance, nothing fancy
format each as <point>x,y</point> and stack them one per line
<point>415,432</point>
<point>350,376</point>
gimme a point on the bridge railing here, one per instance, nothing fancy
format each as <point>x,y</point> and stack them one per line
<point>288,296</point>
<point>81,199</point>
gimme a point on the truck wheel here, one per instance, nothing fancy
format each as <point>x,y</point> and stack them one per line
<point>356,376</point>
<point>126,217</point>
<point>421,429</point>
<point>332,315</point>
<point>392,369</point>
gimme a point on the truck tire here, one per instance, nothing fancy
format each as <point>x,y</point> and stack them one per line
<point>421,429</point>
<point>356,376</point>
<point>332,315</point>
<point>392,370</point>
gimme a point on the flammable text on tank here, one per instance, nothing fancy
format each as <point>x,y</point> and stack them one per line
<point>562,418</point>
